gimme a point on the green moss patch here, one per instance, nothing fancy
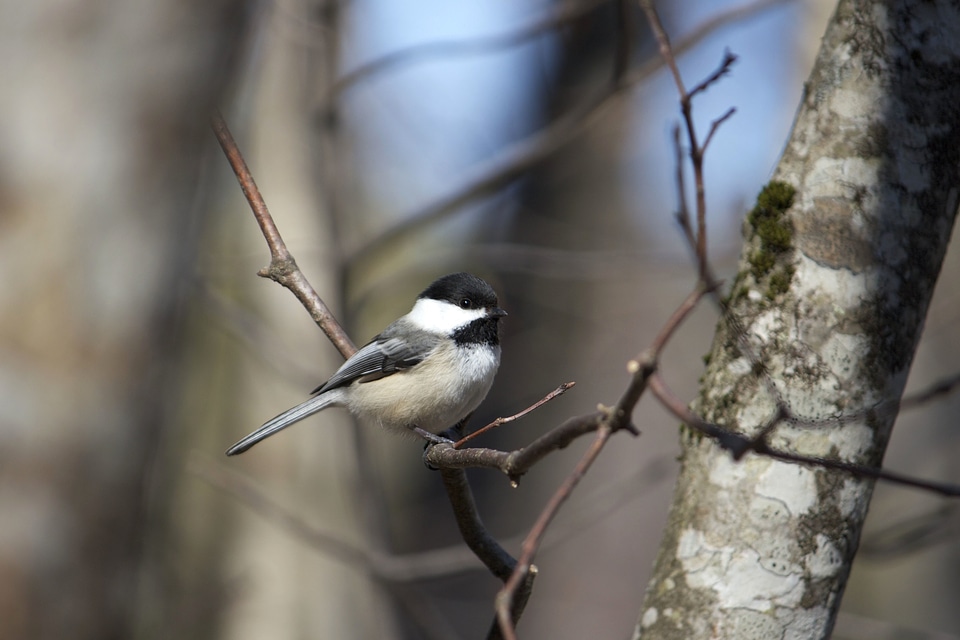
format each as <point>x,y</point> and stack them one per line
<point>775,233</point>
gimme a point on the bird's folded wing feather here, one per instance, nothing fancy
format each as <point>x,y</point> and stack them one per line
<point>381,357</point>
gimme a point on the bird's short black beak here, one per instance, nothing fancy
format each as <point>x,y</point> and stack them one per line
<point>496,312</point>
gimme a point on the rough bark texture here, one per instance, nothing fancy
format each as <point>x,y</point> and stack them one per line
<point>832,293</point>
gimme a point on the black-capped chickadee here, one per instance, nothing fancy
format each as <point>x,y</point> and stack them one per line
<point>425,372</point>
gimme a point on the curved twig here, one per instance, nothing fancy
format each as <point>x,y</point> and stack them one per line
<point>282,268</point>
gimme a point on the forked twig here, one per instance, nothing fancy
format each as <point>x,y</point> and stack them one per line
<point>716,125</point>
<point>686,107</point>
<point>737,443</point>
<point>610,420</point>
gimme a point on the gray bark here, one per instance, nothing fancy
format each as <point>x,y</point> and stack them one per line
<point>763,549</point>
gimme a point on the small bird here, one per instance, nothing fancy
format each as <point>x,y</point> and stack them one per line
<point>424,373</point>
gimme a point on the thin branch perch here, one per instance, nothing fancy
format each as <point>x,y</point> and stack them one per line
<point>282,268</point>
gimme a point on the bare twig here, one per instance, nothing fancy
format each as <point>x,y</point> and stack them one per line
<point>282,268</point>
<point>716,125</point>
<point>501,421</point>
<point>498,561</point>
<point>707,278</point>
<point>679,315</point>
<point>683,212</point>
<point>608,421</point>
<point>505,601</point>
<point>703,30</point>
<point>722,70</point>
<point>943,387</point>
<point>514,464</point>
<point>739,445</point>
<point>686,107</point>
<point>858,470</point>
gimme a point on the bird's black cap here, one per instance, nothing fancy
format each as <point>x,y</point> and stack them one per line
<point>462,289</point>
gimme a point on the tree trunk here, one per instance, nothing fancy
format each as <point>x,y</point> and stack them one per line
<point>833,288</point>
<point>104,110</point>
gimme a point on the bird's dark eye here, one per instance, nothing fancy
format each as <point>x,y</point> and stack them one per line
<point>466,303</point>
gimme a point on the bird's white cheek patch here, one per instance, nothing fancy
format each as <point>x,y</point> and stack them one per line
<point>436,316</point>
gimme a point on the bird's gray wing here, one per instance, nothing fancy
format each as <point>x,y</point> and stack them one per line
<point>382,356</point>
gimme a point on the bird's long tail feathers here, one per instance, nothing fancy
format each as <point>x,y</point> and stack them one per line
<point>282,421</point>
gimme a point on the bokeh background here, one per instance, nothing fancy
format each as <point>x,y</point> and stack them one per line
<point>393,142</point>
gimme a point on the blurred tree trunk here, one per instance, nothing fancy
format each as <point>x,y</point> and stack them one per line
<point>763,549</point>
<point>293,589</point>
<point>104,109</point>
<point>570,202</point>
